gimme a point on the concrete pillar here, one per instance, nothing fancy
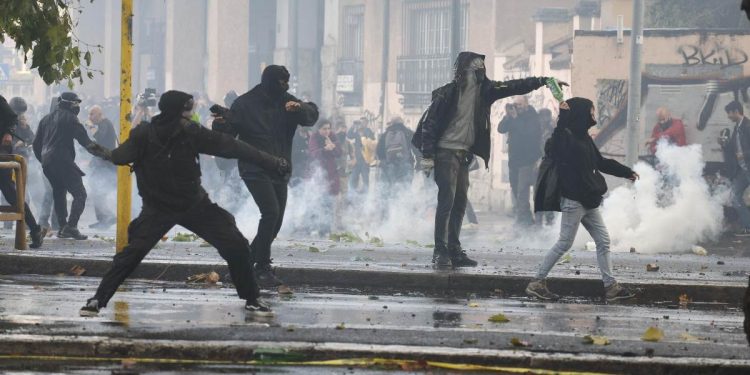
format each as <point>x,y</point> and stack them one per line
<point>111,53</point>
<point>228,40</point>
<point>282,55</point>
<point>185,57</point>
<point>539,50</point>
<point>329,56</point>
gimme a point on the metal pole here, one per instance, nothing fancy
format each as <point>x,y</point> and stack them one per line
<point>455,29</point>
<point>384,61</point>
<point>124,187</point>
<point>634,85</point>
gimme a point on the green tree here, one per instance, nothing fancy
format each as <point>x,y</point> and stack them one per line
<point>43,31</point>
<point>701,14</point>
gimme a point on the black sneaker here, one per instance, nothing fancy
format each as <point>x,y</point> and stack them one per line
<point>37,237</point>
<point>460,259</point>
<point>71,232</point>
<point>538,289</point>
<point>258,308</point>
<point>441,259</point>
<point>266,277</point>
<point>616,292</point>
<point>90,309</point>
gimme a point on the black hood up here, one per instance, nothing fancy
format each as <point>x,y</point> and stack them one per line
<point>463,61</point>
<point>172,103</point>
<point>7,116</point>
<point>578,118</point>
<point>270,78</point>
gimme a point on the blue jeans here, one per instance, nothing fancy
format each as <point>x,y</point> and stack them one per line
<point>573,214</point>
<point>739,184</point>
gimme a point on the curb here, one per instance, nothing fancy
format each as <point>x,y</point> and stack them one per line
<point>80,348</point>
<point>430,283</point>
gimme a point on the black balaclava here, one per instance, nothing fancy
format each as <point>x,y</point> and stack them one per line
<point>173,103</point>
<point>469,61</point>
<point>7,117</point>
<point>578,118</point>
<point>70,102</point>
<point>271,80</point>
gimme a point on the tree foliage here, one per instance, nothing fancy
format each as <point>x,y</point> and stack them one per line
<point>44,32</point>
<point>701,14</point>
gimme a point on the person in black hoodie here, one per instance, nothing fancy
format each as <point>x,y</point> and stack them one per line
<point>581,187</point>
<point>165,157</point>
<point>8,136</point>
<point>267,117</point>
<point>454,129</point>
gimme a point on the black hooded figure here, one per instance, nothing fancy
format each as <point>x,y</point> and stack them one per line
<point>455,128</point>
<point>164,155</point>
<point>8,137</point>
<point>53,147</point>
<point>570,180</point>
<point>267,118</point>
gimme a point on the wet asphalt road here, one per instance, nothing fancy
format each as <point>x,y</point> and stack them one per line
<point>46,305</point>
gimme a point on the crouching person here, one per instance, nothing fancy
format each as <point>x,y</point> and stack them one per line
<point>164,155</point>
<point>576,163</point>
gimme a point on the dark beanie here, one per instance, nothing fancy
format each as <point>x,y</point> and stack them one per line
<point>174,102</point>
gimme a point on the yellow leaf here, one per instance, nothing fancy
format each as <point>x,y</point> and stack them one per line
<point>595,340</point>
<point>515,341</point>
<point>498,318</point>
<point>473,304</point>
<point>653,334</point>
<point>690,338</point>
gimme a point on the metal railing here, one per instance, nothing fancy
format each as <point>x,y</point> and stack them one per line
<point>417,76</point>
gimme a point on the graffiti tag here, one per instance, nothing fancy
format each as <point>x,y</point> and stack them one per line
<point>718,55</point>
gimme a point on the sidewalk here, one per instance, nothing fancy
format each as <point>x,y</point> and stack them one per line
<point>713,280</point>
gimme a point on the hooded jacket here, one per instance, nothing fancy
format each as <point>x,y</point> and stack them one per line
<point>573,163</point>
<point>259,118</point>
<point>53,144</point>
<point>8,120</point>
<point>444,105</point>
<point>164,154</point>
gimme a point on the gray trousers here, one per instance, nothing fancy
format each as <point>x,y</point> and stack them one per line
<point>574,214</point>
<point>452,178</point>
<point>525,181</point>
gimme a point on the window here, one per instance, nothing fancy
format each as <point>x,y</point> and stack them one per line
<point>426,61</point>
<point>350,65</point>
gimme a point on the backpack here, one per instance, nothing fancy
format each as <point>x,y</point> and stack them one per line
<point>396,146</point>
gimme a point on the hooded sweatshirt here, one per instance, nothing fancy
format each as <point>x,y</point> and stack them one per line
<point>579,162</point>
<point>460,134</point>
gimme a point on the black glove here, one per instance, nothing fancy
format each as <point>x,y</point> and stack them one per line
<point>282,167</point>
<point>99,151</point>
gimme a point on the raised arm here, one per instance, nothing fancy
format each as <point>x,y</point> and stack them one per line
<point>503,89</point>
<point>219,144</point>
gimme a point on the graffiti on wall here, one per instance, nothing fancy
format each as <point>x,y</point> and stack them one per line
<point>712,54</point>
<point>611,99</point>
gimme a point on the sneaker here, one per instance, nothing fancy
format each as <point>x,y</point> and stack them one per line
<point>266,277</point>
<point>460,259</point>
<point>37,237</point>
<point>258,307</point>
<point>441,259</point>
<point>616,292</point>
<point>538,289</point>
<point>71,232</point>
<point>90,309</point>
<point>742,233</point>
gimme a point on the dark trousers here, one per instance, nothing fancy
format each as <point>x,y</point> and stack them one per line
<point>8,188</point>
<point>271,200</point>
<point>103,180</point>
<point>47,208</point>
<point>360,170</point>
<point>452,178</point>
<point>209,221</point>
<point>523,178</point>
<point>64,180</point>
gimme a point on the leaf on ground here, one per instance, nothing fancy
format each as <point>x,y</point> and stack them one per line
<point>204,244</point>
<point>653,334</point>
<point>313,249</point>
<point>345,237</point>
<point>565,259</point>
<point>340,326</point>
<point>498,318</point>
<point>515,341</point>
<point>652,267</point>
<point>684,300</point>
<point>473,304</point>
<point>184,237</point>
<point>213,277</point>
<point>283,289</point>
<point>470,341</point>
<point>429,246</point>
<point>77,271</point>
<point>690,338</point>
<point>595,340</point>
<point>412,242</point>
<point>164,238</point>
<point>377,241</point>
<point>699,250</point>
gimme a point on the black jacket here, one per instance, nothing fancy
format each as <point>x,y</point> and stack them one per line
<point>732,166</point>
<point>8,121</point>
<point>573,162</point>
<point>164,154</point>
<point>262,121</point>
<point>53,145</point>
<point>443,106</point>
<point>524,137</point>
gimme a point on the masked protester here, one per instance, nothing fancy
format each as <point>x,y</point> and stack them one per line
<point>8,120</point>
<point>580,187</point>
<point>164,155</point>
<point>267,117</point>
<point>455,128</point>
<point>53,147</point>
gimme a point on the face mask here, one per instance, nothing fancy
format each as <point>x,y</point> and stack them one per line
<point>75,109</point>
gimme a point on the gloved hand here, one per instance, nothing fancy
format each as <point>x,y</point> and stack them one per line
<point>427,166</point>
<point>282,167</point>
<point>99,151</point>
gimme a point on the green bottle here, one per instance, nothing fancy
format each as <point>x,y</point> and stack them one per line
<point>553,86</point>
